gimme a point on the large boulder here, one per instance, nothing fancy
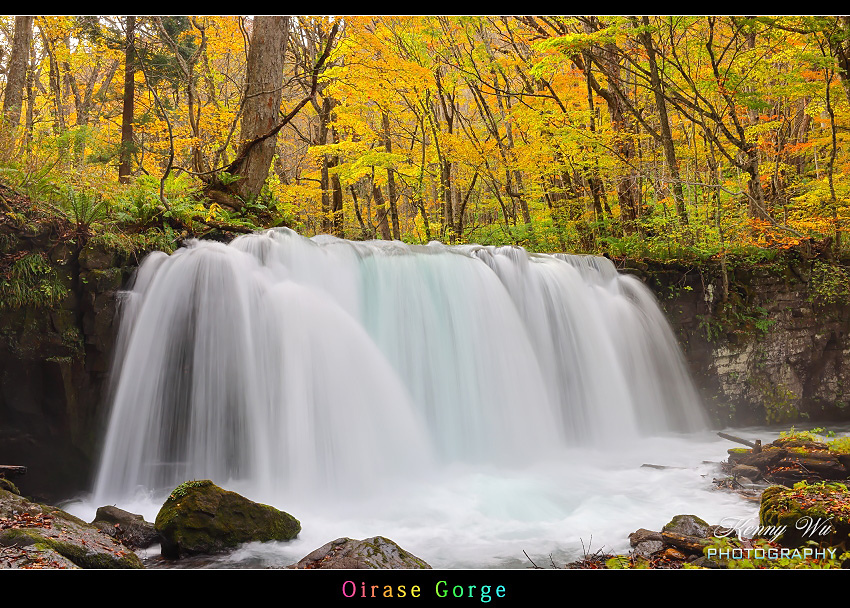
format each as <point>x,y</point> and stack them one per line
<point>200,517</point>
<point>371,553</point>
<point>33,535</point>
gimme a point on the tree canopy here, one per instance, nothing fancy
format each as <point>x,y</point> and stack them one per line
<point>669,136</point>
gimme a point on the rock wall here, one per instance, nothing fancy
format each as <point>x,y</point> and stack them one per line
<point>774,350</point>
<point>54,361</point>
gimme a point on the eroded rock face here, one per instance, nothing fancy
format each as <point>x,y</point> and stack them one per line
<point>371,553</point>
<point>54,357</point>
<point>770,352</point>
<point>200,517</point>
<point>36,535</point>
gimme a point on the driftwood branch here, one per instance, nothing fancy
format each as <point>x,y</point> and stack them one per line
<point>745,442</point>
<point>536,567</point>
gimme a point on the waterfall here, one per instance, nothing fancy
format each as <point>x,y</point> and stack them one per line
<point>328,366</point>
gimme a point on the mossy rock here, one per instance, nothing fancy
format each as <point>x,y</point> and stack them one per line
<point>805,513</point>
<point>97,258</point>
<point>800,442</point>
<point>199,517</point>
<point>688,525</point>
<point>50,531</point>
<point>7,485</point>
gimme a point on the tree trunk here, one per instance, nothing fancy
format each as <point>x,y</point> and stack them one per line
<point>263,95</point>
<point>391,189</point>
<point>17,71</point>
<point>627,185</point>
<point>666,132</point>
<point>382,212</point>
<point>125,169</point>
<point>55,84</point>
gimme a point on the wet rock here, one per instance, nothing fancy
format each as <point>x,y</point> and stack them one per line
<point>746,471</point>
<point>642,535</point>
<point>34,558</point>
<point>673,554</point>
<point>371,553</point>
<point>200,517</point>
<point>688,525</point>
<point>40,534</point>
<point>704,562</point>
<point>97,258</point>
<point>131,529</point>
<point>647,547</point>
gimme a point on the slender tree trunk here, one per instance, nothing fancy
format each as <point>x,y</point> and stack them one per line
<point>461,209</point>
<point>391,188</point>
<point>16,72</point>
<point>125,168</point>
<point>30,114</point>
<point>381,211</point>
<point>337,219</point>
<point>55,85</point>
<point>666,132</point>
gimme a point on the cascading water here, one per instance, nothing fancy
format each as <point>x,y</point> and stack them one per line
<point>301,369</point>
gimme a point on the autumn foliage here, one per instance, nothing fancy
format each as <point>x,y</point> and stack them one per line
<point>660,136</point>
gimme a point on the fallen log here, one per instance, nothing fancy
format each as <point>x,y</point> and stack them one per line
<point>692,544</point>
<point>8,470</point>
<point>749,444</point>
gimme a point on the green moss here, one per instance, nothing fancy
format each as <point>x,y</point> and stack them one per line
<point>183,489</point>
<point>801,510</point>
<point>77,553</point>
<point>778,401</point>
<point>5,484</point>
<point>841,445</point>
<point>829,284</point>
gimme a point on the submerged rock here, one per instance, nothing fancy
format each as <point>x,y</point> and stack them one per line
<point>200,517</point>
<point>131,529</point>
<point>40,536</point>
<point>377,552</point>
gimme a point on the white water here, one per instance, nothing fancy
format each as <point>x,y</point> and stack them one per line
<point>466,402</point>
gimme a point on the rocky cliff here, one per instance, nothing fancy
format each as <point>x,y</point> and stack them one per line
<point>770,347</point>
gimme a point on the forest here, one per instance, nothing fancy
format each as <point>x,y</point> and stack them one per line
<point>178,310</point>
<point>684,137</point>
